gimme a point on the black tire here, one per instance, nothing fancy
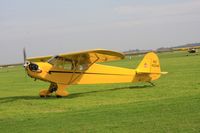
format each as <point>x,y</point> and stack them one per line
<point>58,96</point>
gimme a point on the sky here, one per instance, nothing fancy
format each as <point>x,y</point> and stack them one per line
<point>50,27</point>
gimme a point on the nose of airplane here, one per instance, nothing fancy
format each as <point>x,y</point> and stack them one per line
<point>29,65</point>
<point>32,66</point>
<point>26,64</point>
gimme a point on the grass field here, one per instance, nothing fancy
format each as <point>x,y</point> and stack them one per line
<point>172,106</point>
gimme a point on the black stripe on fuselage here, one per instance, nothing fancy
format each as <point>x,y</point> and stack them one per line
<point>85,73</point>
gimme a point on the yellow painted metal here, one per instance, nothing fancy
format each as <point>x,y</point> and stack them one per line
<point>148,70</point>
<point>150,65</point>
<point>87,56</point>
<point>61,90</point>
<point>44,93</point>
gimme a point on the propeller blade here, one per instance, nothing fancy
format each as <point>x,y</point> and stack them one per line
<point>24,53</point>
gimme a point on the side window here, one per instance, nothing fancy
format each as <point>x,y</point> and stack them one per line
<point>82,67</point>
<point>61,63</point>
<point>83,62</point>
<point>67,65</point>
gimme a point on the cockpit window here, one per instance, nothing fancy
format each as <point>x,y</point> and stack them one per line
<point>83,62</point>
<point>82,67</point>
<point>60,62</point>
<point>63,63</point>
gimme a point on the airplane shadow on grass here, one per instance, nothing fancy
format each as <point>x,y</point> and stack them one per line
<point>73,95</point>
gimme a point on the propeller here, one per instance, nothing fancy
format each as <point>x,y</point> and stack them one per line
<point>26,63</point>
<point>32,66</point>
<point>24,53</point>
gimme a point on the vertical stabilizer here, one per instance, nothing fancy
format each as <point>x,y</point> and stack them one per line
<point>150,66</point>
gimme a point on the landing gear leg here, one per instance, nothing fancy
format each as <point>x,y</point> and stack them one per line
<point>44,93</point>
<point>48,92</point>
<point>60,92</point>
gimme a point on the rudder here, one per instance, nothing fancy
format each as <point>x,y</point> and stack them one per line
<point>149,66</point>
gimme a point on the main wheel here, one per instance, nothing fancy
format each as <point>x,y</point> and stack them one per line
<point>58,96</point>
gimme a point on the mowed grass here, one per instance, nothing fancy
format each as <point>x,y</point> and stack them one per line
<point>172,106</point>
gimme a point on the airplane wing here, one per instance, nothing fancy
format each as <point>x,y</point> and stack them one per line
<point>40,59</point>
<point>90,56</point>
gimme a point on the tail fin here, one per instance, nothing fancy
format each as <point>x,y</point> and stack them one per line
<point>150,66</point>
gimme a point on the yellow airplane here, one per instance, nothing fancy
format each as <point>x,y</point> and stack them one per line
<point>82,68</point>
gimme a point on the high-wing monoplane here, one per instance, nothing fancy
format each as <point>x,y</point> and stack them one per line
<point>83,68</point>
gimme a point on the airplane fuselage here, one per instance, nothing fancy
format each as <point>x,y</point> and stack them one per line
<point>96,74</point>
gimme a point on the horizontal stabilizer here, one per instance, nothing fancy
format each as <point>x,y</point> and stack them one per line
<point>164,73</point>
